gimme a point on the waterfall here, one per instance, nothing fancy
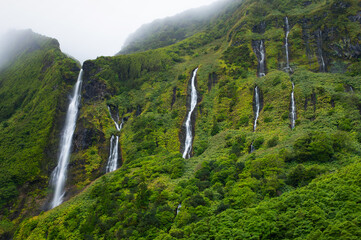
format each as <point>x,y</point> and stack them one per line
<point>112,164</point>
<point>59,174</point>
<point>252,148</point>
<point>293,107</point>
<point>256,107</point>
<point>189,137</point>
<point>262,70</point>
<point>113,154</point>
<point>178,208</point>
<point>287,28</point>
<point>319,45</point>
<point>117,126</point>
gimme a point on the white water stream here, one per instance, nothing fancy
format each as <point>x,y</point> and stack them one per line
<point>189,135</point>
<point>257,104</point>
<point>262,70</point>
<point>59,174</point>
<point>293,107</point>
<point>286,44</point>
<point>112,164</point>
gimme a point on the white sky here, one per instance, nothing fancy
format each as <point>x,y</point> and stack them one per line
<point>88,28</point>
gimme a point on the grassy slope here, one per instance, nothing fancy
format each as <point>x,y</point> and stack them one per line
<point>33,92</point>
<point>225,191</point>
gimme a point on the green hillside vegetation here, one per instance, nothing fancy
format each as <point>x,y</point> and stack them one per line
<point>33,92</point>
<point>168,31</point>
<point>300,183</point>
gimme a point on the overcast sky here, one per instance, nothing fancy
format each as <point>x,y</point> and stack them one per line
<point>88,28</point>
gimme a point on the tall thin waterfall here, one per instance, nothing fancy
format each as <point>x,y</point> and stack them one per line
<point>112,164</point>
<point>59,175</point>
<point>293,108</point>
<point>320,52</point>
<point>256,110</point>
<point>262,69</point>
<point>287,28</point>
<point>189,137</point>
<point>113,154</point>
<point>256,107</point>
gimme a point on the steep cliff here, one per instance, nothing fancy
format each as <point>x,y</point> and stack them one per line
<point>296,183</point>
<point>35,82</point>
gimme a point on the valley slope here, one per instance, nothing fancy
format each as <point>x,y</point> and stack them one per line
<point>300,183</point>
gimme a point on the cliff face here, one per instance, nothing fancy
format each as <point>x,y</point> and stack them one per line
<point>158,194</point>
<point>35,83</point>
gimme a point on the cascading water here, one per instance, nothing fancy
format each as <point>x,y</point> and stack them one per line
<point>113,154</point>
<point>256,107</point>
<point>293,108</point>
<point>262,69</point>
<point>287,28</point>
<point>112,164</point>
<point>117,126</point>
<point>189,137</point>
<point>320,52</point>
<point>178,208</point>
<point>59,174</point>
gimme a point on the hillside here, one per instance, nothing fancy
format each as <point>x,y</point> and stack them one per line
<point>34,85</point>
<point>170,30</point>
<point>276,132</point>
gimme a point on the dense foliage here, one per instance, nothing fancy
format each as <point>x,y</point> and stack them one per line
<point>300,183</point>
<point>33,96</point>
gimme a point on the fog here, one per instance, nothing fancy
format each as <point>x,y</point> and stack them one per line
<point>88,28</point>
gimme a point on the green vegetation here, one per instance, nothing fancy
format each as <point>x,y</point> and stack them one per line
<point>34,91</point>
<point>300,183</point>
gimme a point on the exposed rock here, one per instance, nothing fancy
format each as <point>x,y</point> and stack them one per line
<point>212,80</point>
<point>83,138</point>
<point>139,111</point>
<point>339,7</point>
<point>93,89</point>
<point>174,96</point>
<point>260,28</point>
<point>256,45</point>
<point>356,18</point>
<point>306,3</point>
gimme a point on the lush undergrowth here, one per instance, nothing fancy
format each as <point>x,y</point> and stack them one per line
<point>33,96</point>
<point>285,189</point>
<point>300,183</point>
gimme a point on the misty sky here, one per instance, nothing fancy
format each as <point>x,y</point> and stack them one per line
<point>88,28</point>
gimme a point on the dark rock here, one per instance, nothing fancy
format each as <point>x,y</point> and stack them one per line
<point>356,18</point>
<point>256,45</point>
<point>114,112</point>
<point>212,80</point>
<point>139,111</point>
<point>83,139</point>
<point>174,97</point>
<point>93,88</point>
<point>306,3</point>
<point>321,55</point>
<point>260,28</point>
<point>340,7</point>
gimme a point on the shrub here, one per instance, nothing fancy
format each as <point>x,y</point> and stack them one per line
<point>273,142</point>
